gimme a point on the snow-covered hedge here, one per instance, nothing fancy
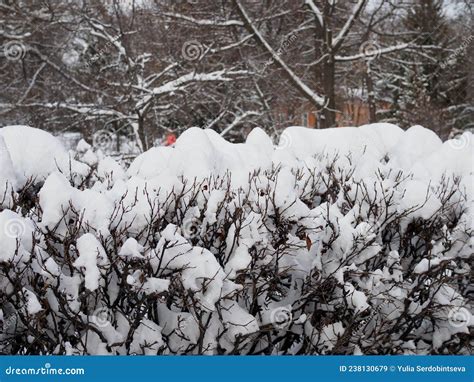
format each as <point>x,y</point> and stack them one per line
<point>339,241</point>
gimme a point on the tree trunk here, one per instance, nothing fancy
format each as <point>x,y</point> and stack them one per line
<point>329,72</point>
<point>371,95</point>
<point>140,134</point>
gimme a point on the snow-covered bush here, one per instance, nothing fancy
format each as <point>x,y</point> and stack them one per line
<point>339,241</point>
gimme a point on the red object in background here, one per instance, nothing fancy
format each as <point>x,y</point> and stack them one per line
<point>170,139</point>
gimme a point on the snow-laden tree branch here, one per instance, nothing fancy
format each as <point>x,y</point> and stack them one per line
<point>181,82</point>
<point>317,12</point>
<point>297,82</point>
<point>238,119</point>
<point>356,11</point>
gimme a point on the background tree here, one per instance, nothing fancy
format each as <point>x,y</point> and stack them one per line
<point>145,69</point>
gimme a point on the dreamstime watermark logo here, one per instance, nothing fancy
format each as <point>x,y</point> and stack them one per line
<point>190,228</point>
<point>459,142</point>
<point>47,369</point>
<point>360,326</point>
<point>15,228</point>
<point>103,139</point>
<point>102,52</point>
<point>14,50</point>
<point>192,50</point>
<point>281,317</point>
<point>281,51</point>
<point>119,2</point>
<point>370,50</point>
<point>459,317</point>
<point>10,322</point>
<point>284,140</point>
<point>458,52</point>
<point>102,317</point>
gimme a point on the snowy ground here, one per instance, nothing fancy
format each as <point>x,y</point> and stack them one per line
<point>337,241</point>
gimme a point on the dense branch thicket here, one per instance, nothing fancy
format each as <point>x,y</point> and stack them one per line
<point>308,259</point>
<point>149,68</point>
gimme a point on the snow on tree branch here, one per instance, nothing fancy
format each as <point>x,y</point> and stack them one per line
<point>303,88</point>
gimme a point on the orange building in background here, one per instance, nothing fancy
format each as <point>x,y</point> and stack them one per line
<point>355,112</point>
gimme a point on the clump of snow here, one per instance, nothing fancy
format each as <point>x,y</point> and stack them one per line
<point>16,238</point>
<point>109,170</point>
<point>131,248</point>
<point>63,204</point>
<point>199,153</point>
<point>147,338</point>
<point>35,154</point>
<point>83,146</point>
<point>33,306</point>
<point>91,256</point>
<point>197,266</point>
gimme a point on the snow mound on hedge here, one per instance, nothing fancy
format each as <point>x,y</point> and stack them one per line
<point>199,153</point>
<point>321,243</point>
<point>35,154</point>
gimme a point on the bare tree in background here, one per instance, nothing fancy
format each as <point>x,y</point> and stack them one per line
<point>161,66</point>
<point>106,66</point>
